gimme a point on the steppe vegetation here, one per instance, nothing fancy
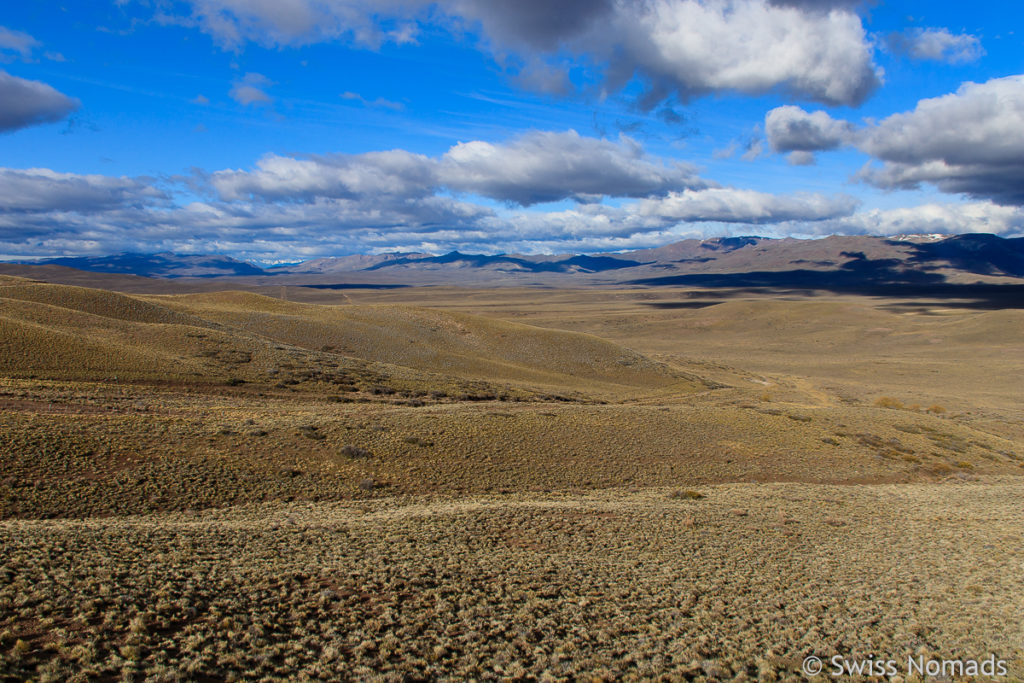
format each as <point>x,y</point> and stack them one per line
<point>407,483</point>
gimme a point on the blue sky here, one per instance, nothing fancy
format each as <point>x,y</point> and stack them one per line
<point>280,131</point>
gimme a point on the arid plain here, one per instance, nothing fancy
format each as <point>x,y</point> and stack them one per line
<point>515,483</point>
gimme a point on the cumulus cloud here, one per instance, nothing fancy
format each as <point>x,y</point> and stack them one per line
<point>814,50</point>
<point>26,103</point>
<point>941,219</point>
<point>747,46</point>
<point>41,189</point>
<point>547,166</point>
<point>45,213</point>
<point>970,142</point>
<point>791,129</point>
<point>730,205</point>
<point>395,173</point>
<point>536,167</point>
<point>937,44</point>
<point>252,90</point>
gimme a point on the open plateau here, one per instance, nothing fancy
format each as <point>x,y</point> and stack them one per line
<point>255,477</point>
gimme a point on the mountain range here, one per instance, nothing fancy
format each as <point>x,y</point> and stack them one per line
<point>741,261</point>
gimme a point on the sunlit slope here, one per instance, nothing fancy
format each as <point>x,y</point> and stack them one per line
<point>59,332</point>
<point>435,341</point>
<point>97,302</point>
<point>72,332</point>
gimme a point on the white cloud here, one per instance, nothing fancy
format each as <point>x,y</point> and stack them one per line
<point>252,90</point>
<point>394,173</point>
<point>801,159</point>
<point>791,129</point>
<point>27,103</point>
<point>746,46</point>
<point>302,22</point>
<point>536,167</point>
<point>41,189</point>
<point>378,102</point>
<point>16,41</point>
<point>814,50</point>
<point>943,219</point>
<point>937,44</point>
<point>730,205</point>
<point>259,215</point>
<point>970,142</point>
<point>547,166</point>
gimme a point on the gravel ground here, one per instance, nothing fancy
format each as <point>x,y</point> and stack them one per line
<point>731,582</point>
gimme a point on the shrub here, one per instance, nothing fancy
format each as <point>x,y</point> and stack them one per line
<point>687,494</point>
<point>888,402</point>
<point>355,452</point>
<point>311,432</point>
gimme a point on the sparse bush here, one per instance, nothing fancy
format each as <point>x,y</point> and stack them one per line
<point>355,452</point>
<point>888,402</point>
<point>686,494</point>
<point>311,432</point>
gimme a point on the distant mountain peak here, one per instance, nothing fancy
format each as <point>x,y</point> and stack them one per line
<point>162,265</point>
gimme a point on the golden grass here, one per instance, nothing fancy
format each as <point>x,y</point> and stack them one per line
<point>404,485</point>
<point>615,585</point>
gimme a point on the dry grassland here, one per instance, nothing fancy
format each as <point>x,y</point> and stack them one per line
<point>741,584</point>
<point>433,483</point>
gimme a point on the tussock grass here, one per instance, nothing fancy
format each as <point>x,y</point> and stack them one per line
<point>610,584</point>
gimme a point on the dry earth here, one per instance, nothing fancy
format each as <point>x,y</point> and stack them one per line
<point>435,483</point>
